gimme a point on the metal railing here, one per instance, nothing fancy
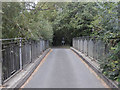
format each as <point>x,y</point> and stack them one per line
<point>96,49</point>
<point>18,53</point>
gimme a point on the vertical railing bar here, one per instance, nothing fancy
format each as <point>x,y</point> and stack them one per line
<point>33,46</point>
<point>87,45</point>
<point>30,51</point>
<point>1,63</point>
<point>1,59</point>
<point>20,49</point>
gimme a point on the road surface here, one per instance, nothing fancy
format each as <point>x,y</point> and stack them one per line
<point>62,68</point>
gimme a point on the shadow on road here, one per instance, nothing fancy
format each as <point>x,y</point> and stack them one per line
<point>61,47</point>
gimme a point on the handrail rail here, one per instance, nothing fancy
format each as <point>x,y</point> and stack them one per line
<point>19,55</point>
<point>10,39</point>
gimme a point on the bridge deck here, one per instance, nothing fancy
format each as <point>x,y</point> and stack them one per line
<point>63,69</point>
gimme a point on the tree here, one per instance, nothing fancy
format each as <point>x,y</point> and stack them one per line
<point>74,21</point>
<point>106,27</point>
<point>25,23</point>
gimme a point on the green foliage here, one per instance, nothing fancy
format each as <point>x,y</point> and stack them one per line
<point>68,20</point>
<point>24,23</point>
<point>74,21</point>
<point>106,27</point>
<point>111,66</point>
<point>9,19</point>
<point>106,22</point>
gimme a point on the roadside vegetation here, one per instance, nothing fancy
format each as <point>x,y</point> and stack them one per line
<point>54,21</point>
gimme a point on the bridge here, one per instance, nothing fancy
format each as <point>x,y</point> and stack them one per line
<point>33,64</point>
<point>62,68</point>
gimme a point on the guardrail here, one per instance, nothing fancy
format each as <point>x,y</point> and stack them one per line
<point>96,49</point>
<point>18,53</point>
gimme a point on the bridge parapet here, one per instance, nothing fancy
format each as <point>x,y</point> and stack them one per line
<point>17,53</point>
<point>94,48</point>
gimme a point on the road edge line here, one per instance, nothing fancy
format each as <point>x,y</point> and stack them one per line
<point>110,83</point>
<point>36,69</point>
<point>20,82</point>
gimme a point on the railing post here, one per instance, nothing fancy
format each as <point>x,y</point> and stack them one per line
<point>87,45</point>
<point>73,42</point>
<point>0,43</point>
<point>83,44</point>
<point>30,50</point>
<point>94,49</point>
<point>0,63</point>
<point>78,43</point>
<point>20,51</point>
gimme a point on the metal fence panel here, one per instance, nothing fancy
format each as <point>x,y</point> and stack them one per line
<point>96,49</point>
<point>82,45</point>
<point>41,46</point>
<point>90,48</point>
<point>85,47</point>
<point>10,59</point>
<point>17,53</point>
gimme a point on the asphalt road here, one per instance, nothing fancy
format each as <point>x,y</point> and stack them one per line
<point>63,69</point>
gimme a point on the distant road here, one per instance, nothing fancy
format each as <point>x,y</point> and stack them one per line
<point>63,69</point>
